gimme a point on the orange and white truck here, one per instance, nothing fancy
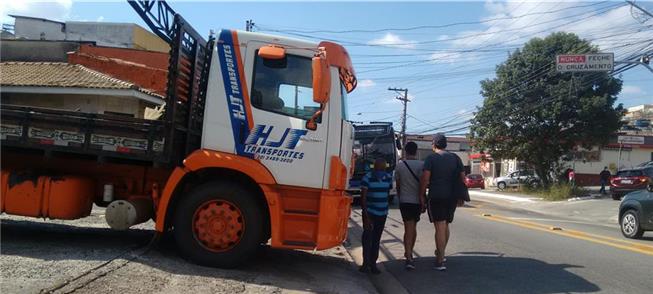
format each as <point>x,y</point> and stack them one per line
<point>253,147</point>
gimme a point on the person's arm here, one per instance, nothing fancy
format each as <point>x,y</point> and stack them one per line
<point>398,183</point>
<point>461,202</point>
<point>364,184</point>
<point>423,183</point>
<point>461,168</point>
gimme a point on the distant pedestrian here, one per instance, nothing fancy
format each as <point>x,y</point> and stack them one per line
<point>605,178</point>
<point>407,175</point>
<point>572,178</point>
<point>375,194</point>
<point>442,172</point>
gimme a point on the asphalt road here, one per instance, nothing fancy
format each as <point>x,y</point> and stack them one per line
<point>84,256</point>
<point>501,249</point>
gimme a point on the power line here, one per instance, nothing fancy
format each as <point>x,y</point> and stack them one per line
<point>541,103</point>
<point>439,26</point>
<point>601,10</point>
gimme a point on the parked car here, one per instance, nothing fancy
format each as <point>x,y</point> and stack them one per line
<point>629,180</point>
<point>514,179</point>
<point>636,212</point>
<point>475,181</point>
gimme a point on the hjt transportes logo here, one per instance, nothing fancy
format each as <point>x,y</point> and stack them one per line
<point>262,146</point>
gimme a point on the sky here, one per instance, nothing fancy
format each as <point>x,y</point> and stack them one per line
<point>438,50</point>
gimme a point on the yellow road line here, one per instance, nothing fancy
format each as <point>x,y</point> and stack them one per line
<point>604,240</point>
<point>579,233</point>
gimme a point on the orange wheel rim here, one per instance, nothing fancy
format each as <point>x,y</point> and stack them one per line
<point>218,225</point>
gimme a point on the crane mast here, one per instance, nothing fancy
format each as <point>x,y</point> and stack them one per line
<point>188,71</point>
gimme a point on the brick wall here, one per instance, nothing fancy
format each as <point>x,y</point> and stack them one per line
<point>150,73</point>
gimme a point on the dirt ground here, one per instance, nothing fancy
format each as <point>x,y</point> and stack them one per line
<point>85,256</point>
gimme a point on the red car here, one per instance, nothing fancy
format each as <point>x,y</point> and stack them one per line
<point>475,181</point>
<point>629,180</point>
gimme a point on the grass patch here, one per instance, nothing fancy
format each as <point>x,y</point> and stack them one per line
<point>556,192</point>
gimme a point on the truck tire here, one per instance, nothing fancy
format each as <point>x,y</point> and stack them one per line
<point>630,226</point>
<point>219,224</point>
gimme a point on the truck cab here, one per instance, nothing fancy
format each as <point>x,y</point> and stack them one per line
<point>258,107</point>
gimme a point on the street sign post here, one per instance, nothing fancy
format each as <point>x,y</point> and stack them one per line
<point>585,62</point>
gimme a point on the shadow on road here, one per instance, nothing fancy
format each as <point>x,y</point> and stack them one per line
<point>483,272</point>
<point>286,269</point>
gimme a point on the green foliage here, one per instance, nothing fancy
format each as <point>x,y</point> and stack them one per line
<point>556,192</point>
<point>536,115</point>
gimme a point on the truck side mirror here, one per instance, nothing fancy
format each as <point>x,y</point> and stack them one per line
<point>321,79</point>
<point>321,86</point>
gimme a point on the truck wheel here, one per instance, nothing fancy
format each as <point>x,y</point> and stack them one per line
<point>501,186</point>
<point>616,197</point>
<point>630,227</point>
<point>219,224</point>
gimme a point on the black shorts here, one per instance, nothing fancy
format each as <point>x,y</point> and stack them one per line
<point>441,209</point>
<point>410,211</point>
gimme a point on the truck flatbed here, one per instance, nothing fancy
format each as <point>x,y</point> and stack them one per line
<point>102,136</point>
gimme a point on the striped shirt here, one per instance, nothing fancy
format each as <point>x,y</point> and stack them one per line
<point>378,190</point>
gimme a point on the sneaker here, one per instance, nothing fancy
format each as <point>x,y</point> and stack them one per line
<point>440,267</point>
<point>410,265</point>
<point>374,270</point>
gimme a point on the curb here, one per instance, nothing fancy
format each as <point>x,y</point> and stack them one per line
<point>385,282</point>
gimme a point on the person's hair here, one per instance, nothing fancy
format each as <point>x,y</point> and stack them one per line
<point>605,167</point>
<point>440,141</point>
<point>411,148</point>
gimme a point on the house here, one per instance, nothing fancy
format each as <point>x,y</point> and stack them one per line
<point>73,87</point>
<point>459,145</point>
<point>622,152</point>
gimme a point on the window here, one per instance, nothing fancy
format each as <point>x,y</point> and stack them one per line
<point>629,173</point>
<point>284,86</point>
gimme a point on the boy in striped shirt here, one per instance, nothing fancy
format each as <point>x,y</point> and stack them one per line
<point>375,191</point>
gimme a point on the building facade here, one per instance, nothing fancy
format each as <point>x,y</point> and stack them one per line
<point>121,35</point>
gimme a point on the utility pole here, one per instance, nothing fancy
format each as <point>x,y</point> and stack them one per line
<point>249,25</point>
<point>405,101</point>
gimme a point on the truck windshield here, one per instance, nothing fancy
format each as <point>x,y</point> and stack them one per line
<point>284,86</point>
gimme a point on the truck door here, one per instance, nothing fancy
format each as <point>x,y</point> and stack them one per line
<point>281,98</point>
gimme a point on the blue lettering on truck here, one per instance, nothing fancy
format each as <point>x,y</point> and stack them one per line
<point>233,92</point>
<point>263,145</point>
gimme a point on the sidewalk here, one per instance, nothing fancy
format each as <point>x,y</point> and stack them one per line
<point>384,282</point>
<point>596,208</point>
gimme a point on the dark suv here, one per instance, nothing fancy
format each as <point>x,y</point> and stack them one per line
<point>628,180</point>
<point>636,213</point>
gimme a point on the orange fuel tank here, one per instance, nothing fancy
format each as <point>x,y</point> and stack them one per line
<point>65,197</point>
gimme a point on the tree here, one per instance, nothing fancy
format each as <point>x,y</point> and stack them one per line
<point>535,114</point>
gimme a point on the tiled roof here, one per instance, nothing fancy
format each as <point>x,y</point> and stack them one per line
<point>61,75</point>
